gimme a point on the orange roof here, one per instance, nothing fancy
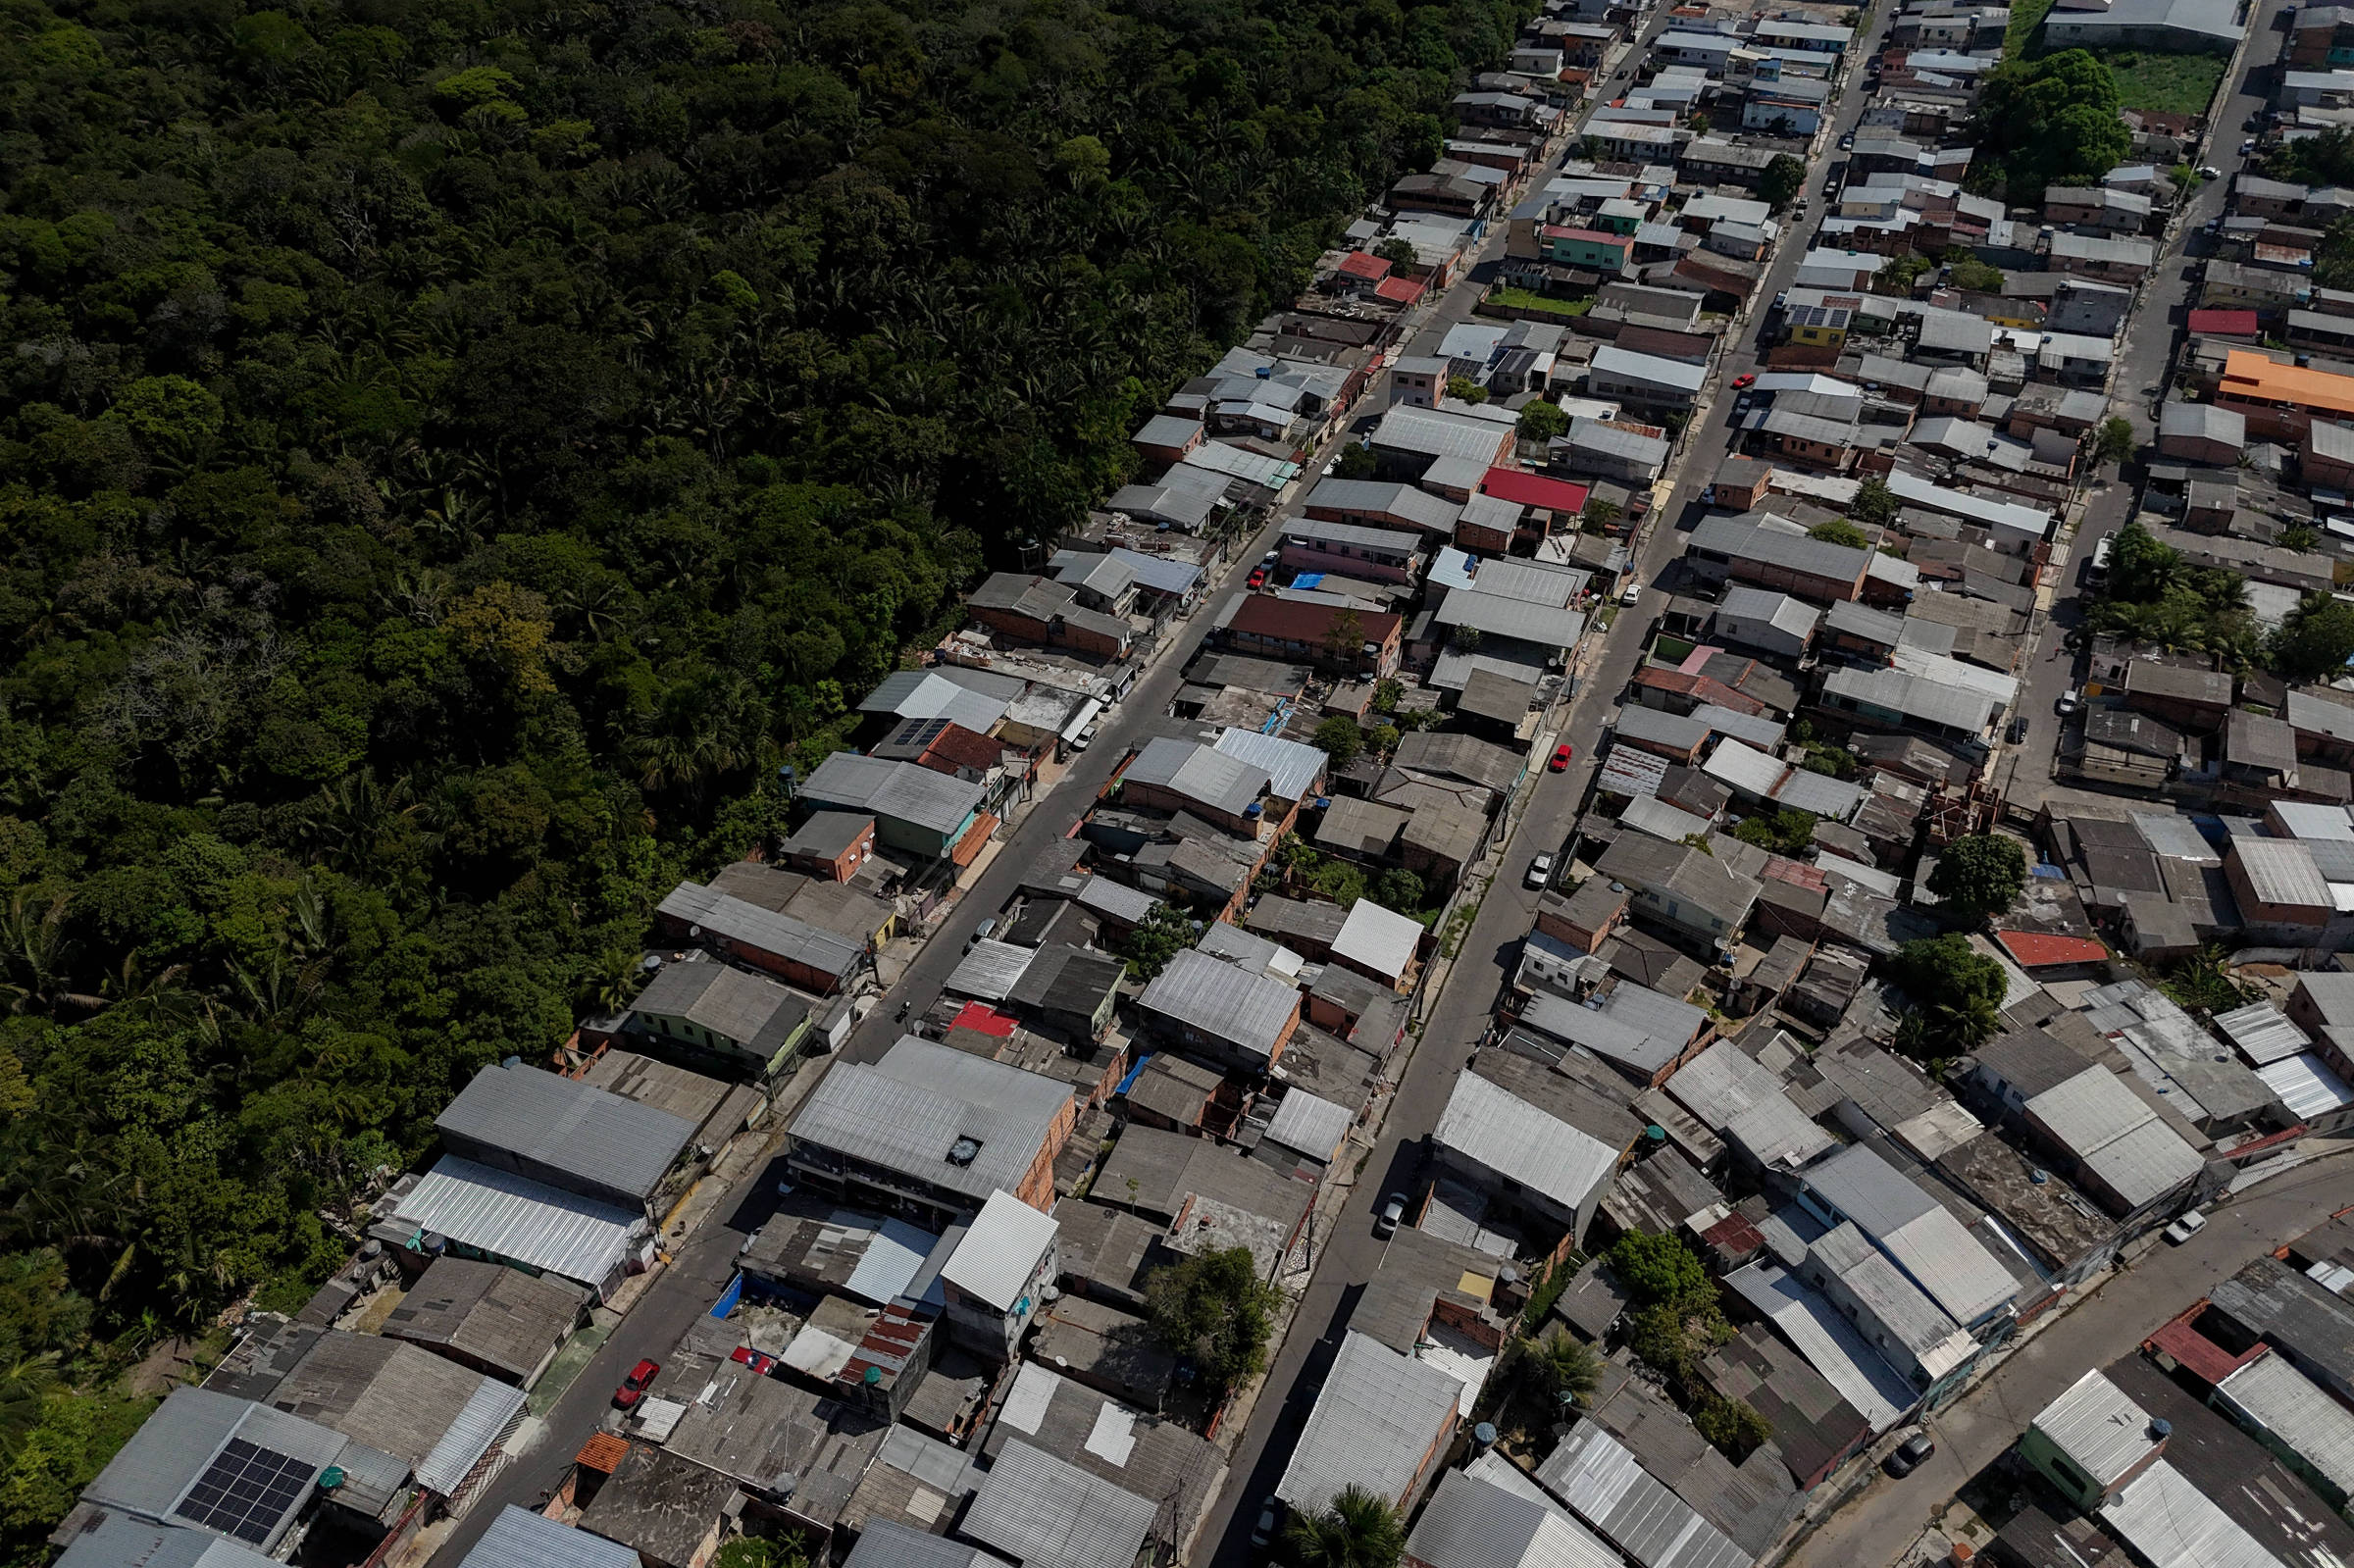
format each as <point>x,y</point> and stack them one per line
<point>2197,1354</point>
<point>2034,949</point>
<point>603,1453</point>
<point>969,846</point>
<point>2249,373</point>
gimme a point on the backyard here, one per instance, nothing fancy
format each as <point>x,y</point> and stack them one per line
<point>1523,299</point>
<point>2173,84</point>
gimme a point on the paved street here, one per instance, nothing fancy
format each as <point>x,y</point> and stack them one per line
<point>2157,327</point>
<point>1352,1252</point>
<point>1876,1528</point>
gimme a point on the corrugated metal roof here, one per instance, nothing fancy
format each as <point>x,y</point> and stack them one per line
<point>1199,773</point>
<point>1382,940</point>
<point>906,1113</point>
<point>1489,1124</point>
<point>2099,1427</point>
<point>1831,1344</point>
<point>989,970</point>
<point>109,1539</point>
<point>1915,1231</point>
<point>1473,1523</point>
<point>1045,1513</point>
<point>1217,999</point>
<point>1293,769</point>
<point>567,1126</point>
<point>521,1538</point>
<point>480,1425</point>
<point>2306,1084</point>
<point>1774,1131</point>
<point>2272,1396</point>
<point>1659,727</point>
<point>2094,1116</point>
<point>2281,871</point>
<point>1116,899</point>
<point>764,929</point>
<point>887,1544</point>
<point>510,1216</point>
<point>939,802</point>
<point>1719,1083</point>
<point>1310,1124</point>
<point>1376,1419</point>
<point>1912,696</point>
<point>1654,816</point>
<point>2171,1524</point>
<point>1595,1475</point>
<point>1001,1252</point>
<point>931,695</point>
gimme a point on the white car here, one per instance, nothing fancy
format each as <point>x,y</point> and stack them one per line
<point>1632,592</point>
<point>2070,701</point>
<point>2248,146</point>
<point>2183,1229</point>
<point>1540,872</point>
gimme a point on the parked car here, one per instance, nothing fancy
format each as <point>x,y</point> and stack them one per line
<point>1908,1454</point>
<point>1632,593</point>
<point>633,1386</point>
<point>1740,382</point>
<point>1087,737</point>
<point>1263,1531</point>
<point>1393,1209</point>
<point>2189,1224</point>
<point>2210,172</point>
<point>1271,557</point>
<point>759,1361</point>
<point>1560,757</point>
<point>1540,872</point>
<point>2248,146</point>
<point>1258,579</point>
<point>2070,701</point>
<point>2253,124</point>
<point>1847,141</point>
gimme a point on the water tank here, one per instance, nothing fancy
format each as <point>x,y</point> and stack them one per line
<point>2161,1429</point>
<point>1483,1436</point>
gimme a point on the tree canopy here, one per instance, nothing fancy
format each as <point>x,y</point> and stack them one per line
<point>1783,179</point>
<point>1957,996</point>
<point>2316,640</point>
<point>453,454</point>
<point>2050,121</point>
<point>1214,1308</point>
<point>1979,874</point>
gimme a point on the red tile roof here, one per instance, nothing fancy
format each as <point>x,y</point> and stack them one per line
<point>1262,615</point>
<point>1706,689</point>
<point>985,1019</point>
<point>2197,1354</point>
<point>2224,323</point>
<point>1360,264</point>
<point>603,1452</point>
<point>1398,290</point>
<point>2034,949</point>
<point>956,746</point>
<point>1534,489</point>
<point>969,847</point>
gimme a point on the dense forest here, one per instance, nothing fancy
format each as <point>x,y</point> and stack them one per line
<point>451,451</point>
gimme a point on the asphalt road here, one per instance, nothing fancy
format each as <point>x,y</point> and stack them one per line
<point>1880,1526</point>
<point>1351,1252</point>
<point>2159,319</point>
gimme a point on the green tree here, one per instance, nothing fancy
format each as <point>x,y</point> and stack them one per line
<point>1965,271</point>
<point>1213,1309</point>
<point>1345,640</point>
<point>1957,996</point>
<point>762,1552</point>
<point>1874,503</point>
<point>1542,422</point>
<point>2052,121</point>
<point>1839,530</point>
<point>1386,695</point>
<point>1979,874</point>
<point>2114,442</point>
<point>1599,513</point>
<point>2317,640</point>
<point>1399,889</point>
<point>1786,831</point>
<point>1660,1268</point>
<point>1540,1370</point>
<point>1464,389</point>
<point>1159,936</point>
<point>1734,1426</point>
<point>1340,740</point>
<point>1356,1529</point>
<point>1355,462</point>
<point>1399,254</point>
<point>1784,178</point>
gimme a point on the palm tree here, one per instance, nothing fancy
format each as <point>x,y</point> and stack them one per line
<point>1558,1363</point>
<point>1356,1529</point>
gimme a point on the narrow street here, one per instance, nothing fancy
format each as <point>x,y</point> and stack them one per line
<point>2148,351</point>
<point>1877,1528</point>
<point>1352,1252</point>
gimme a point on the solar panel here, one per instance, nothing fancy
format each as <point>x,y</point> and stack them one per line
<point>247,1491</point>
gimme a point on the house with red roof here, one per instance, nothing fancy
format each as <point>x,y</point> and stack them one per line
<point>2048,956</point>
<point>2225,324</point>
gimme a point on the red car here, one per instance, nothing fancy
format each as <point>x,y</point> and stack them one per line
<point>1258,580</point>
<point>759,1361</point>
<point>634,1384</point>
<point>1742,382</point>
<point>1560,758</point>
